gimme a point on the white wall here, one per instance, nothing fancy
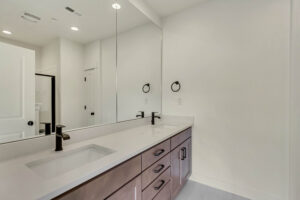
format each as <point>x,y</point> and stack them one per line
<point>92,65</point>
<point>71,84</point>
<point>295,102</point>
<point>50,58</point>
<point>232,58</point>
<point>143,7</point>
<point>139,62</point>
<point>108,70</point>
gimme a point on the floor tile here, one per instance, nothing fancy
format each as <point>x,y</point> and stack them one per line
<point>196,191</point>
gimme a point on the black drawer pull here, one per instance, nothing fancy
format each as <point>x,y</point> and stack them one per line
<point>158,152</point>
<point>182,153</point>
<point>158,168</point>
<point>162,182</point>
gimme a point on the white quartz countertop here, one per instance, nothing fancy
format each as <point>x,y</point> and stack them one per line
<point>17,181</point>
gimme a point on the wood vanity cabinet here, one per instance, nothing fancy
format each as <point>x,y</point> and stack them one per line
<point>106,184</point>
<point>165,193</point>
<point>159,173</point>
<point>155,153</point>
<point>132,191</point>
<point>180,165</point>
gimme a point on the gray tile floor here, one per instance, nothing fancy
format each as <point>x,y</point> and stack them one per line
<point>197,191</point>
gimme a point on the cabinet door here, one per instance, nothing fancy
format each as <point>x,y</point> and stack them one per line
<point>185,161</point>
<point>175,171</point>
<point>131,191</point>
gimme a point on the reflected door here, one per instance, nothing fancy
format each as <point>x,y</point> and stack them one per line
<point>90,90</point>
<point>17,89</point>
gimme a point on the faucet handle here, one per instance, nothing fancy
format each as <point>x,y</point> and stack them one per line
<point>59,129</point>
<point>142,114</point>
<point>153,113</point>
<point>60,126</point>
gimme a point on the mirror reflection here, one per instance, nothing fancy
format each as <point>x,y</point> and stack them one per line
<point>139,70</point>
<point>76,63</point>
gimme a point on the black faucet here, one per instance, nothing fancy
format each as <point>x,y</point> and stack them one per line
<point>47,128</point>
<point>153,116</point>
<point>142,115</point>
<point>59,137</point>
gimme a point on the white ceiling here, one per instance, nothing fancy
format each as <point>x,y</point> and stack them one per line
<point>168,7</point>
<point>97,20</point>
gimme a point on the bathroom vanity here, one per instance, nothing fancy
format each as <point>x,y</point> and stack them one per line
<point>158,173</point>
<point>138,162</point>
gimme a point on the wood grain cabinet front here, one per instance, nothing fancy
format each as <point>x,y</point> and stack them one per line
<point>175,171</point>
<point>155,153</point>
<point>131,191</point>
<point>180,166</point>
<point>154,188</point>
<point>155,170</point>
<point>186,161</point>
<point>164,194</point>
<point>180,138</point>
<point>104,185</point>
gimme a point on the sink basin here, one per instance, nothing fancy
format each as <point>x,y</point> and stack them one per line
<point>66,161</point>
<point>164,126</point>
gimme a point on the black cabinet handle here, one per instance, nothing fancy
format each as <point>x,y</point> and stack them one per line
<point>158,168</point>
<point>158,152</point>
<point>182,153</point>
<point>162,182</point>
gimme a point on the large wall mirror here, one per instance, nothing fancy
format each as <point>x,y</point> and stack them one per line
<point>139,61</point>
<point>76,63</point>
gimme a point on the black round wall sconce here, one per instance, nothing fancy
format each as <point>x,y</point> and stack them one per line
<point>146,88</point>
<point>176,86</point>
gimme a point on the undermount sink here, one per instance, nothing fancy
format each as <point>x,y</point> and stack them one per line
<point>64,162</point>
<point>164,126</point>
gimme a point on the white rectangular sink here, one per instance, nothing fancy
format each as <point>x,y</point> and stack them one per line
<point>164,126</point>
<point>66,161</point>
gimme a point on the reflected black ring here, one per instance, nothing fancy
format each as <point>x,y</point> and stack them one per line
<point>176,83</point>
<point>147,85</point>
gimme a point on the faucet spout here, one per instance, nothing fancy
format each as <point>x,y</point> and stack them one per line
<point>142,114</point>
<point>59,137</point>
<point>153,116</point>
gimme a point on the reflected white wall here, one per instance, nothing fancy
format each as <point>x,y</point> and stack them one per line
<point>139,62</point>
<point>71,84</point>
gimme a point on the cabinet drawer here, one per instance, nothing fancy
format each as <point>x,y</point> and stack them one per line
<point>155,170</point>
<point>154,154</point>
<point>180,138</point>
<point>131,191</point>
<point>104,185</point>
<point>152,190</point>
<point>165,193</point>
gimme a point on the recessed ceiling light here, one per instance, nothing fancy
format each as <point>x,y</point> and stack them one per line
<point>74,28</point>
<point>6,32</point>
<point>116,6</point>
